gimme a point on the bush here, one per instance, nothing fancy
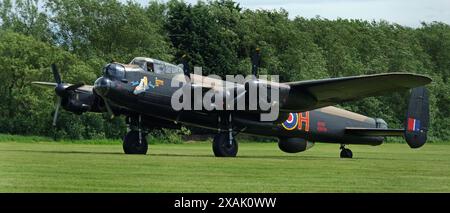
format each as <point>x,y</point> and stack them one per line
<point>167,136</point>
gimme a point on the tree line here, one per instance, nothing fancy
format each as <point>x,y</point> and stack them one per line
<point>220,36</point>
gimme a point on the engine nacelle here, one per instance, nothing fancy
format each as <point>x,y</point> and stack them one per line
<point>79,103</point>
<point>294,145</point>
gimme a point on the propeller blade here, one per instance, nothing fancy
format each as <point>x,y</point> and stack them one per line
<point>58,104</point>
<point>185,63</point>
<point>108,108</point>
<point>56,74</point>
<point>256,61</point>
<point>44,84</point>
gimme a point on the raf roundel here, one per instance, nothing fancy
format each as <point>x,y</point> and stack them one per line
<point>291,122</point>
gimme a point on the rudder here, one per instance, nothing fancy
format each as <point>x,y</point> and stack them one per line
<point>417,119</point>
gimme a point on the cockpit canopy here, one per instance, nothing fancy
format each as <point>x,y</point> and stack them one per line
<point>157,66</point>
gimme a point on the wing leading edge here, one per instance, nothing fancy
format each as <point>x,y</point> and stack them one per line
<point>308,95</point>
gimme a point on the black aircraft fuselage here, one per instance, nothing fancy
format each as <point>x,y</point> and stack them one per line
<point>143,91</point>
<point>324,124</point>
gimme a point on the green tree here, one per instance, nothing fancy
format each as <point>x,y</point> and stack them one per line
<point>108,29</point>
<point>24,17</point>
<point>27,109</point>
<point>82,36</point>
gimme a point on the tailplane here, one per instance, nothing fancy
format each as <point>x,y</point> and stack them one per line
<point>416,123</point>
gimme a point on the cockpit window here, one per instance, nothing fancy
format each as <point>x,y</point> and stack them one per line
<point>173,69</point>
<point>145,65</point>
<point>140,63</point>
<point>150,67</point>
<point>159,68</point>
<point>156,66</point>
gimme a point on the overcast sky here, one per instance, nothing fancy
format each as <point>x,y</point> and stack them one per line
<point>404,12</point>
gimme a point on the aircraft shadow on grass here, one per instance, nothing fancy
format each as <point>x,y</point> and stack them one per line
<point>290,157</point>
<point>62,152</point>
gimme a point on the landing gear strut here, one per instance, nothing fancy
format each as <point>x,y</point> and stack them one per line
<point>224,143</point>
<point>346,153</point>
<point>134,142</point>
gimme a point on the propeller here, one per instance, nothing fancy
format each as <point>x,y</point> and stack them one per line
<point>108,108</point>
<point>184,61</point>
<point>256,61</point>
<point>57,105</point>
<point>61,91</point>
<point>56,74</point>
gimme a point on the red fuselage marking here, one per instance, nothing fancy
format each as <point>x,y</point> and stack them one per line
<point>322,127</point>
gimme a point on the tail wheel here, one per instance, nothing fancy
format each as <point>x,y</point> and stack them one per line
<point>223,147</point>
<point>135,144</point>
<point>346,153</point>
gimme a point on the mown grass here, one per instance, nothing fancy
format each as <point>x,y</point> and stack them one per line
<point>34,139</point>
<point>44,166</point>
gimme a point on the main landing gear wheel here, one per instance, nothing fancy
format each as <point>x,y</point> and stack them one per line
<point>223,146</point>
<point>135,143</point>
<point>346,153</point>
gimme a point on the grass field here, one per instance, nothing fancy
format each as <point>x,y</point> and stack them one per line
<point>75,167</point>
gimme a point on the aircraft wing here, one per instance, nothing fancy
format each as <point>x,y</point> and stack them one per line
<point>308,95</point>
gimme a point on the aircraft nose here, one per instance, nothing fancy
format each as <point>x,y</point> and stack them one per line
<point>102,86</point>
